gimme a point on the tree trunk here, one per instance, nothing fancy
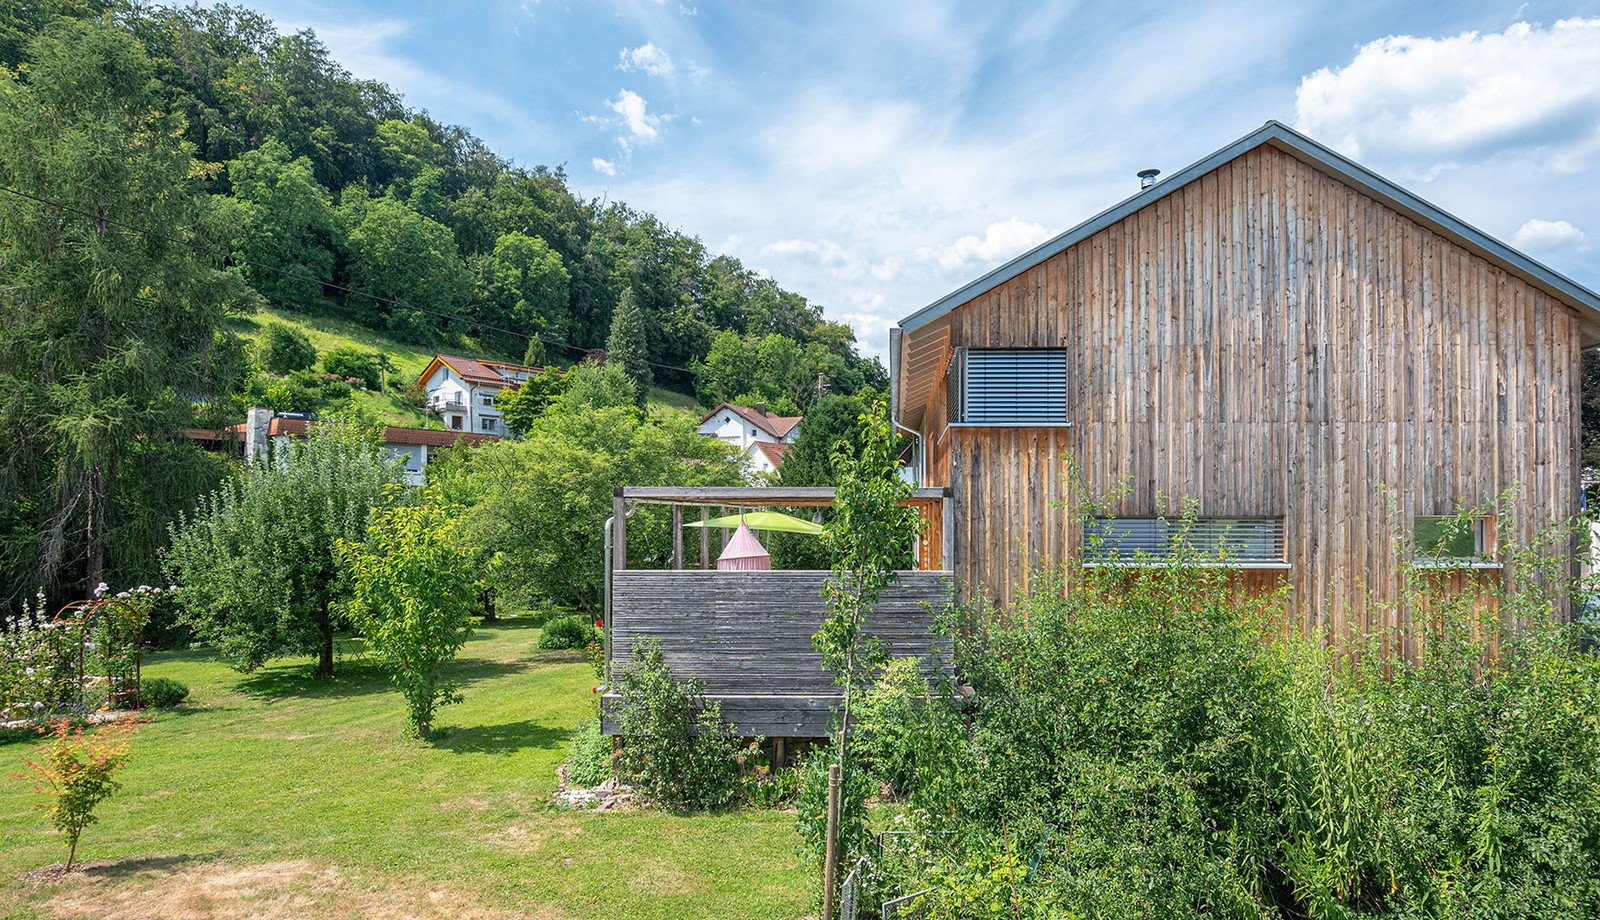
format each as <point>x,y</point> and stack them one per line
<point>94,533</point>
<point>325,659</point>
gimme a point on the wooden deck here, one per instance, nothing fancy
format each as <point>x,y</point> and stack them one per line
<point>748,636</point>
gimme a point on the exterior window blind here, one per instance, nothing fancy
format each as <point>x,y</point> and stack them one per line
<point>1011,386</point>
<point>1154,541</point>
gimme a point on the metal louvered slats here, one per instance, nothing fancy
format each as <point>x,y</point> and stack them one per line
<point>1015,386</point>
<point>1237,541</point>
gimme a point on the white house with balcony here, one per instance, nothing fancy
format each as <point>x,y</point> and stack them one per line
<point>763,437</point>
<point>462,391</point>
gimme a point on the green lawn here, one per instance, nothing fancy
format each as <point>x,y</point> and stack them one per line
<point>276,795</point>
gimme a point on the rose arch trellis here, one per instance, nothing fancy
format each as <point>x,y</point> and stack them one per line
<point>96,650</point>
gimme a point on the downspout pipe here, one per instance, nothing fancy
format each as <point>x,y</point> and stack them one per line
<point>918,466</point>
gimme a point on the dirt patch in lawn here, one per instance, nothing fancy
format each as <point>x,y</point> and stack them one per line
<point>264,891</point>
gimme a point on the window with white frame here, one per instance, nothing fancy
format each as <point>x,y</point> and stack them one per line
<point>1244,542</point>
<point>1452,540</point>
<point>489,424</point>
<point>1008,386</point>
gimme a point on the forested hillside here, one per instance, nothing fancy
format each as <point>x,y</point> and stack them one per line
<point>335,197</point>
<point>163,170</point>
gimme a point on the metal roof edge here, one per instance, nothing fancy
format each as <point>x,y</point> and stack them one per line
<point>1303,148</point>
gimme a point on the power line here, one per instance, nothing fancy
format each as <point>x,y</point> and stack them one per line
<point>229,256</point>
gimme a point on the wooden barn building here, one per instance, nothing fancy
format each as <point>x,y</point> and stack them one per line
<point>1316,360</point>
<point>1315,357</point>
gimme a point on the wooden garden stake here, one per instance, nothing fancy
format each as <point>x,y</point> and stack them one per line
<point>830,872</point>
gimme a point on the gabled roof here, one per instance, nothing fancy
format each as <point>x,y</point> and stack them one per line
<point>924,350</point>
<point>1323,159</point>
<point>476,371</point>
<point>775,453</point>
<point>778,426</point>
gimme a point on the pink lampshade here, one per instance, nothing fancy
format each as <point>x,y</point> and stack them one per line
<point>744,553</point>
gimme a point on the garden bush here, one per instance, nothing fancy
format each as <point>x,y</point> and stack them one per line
<point>1154,744</point>
<point>811,803</point>
<point>676,750</point>
<point>162,692</point>
<point>766,787</point>
<point>895,729</point>
<point>589,755</point>
<point>566,633</point>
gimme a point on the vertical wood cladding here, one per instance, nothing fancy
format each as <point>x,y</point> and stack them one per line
<point>1270,342</point>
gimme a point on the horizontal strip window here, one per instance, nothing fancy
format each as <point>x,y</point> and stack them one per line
<point>1009,386</point>
<point>1160,542</point>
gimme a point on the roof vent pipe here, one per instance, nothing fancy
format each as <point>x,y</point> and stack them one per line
<point>1147,178</point>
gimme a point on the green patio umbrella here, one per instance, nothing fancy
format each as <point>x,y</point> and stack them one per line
<point>762,520</point>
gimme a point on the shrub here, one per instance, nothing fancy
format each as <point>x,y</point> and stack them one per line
<point>811,803</point>
<point>283,349</point>
<point>595,651</point>
<point>768,788</point>
<point>589,755</point>
<point>566,633</point>
<point>892,724</point>
<point>78,773</point>
<point>348,362</point>
<point>676,750</point>
<point>162,692</point>
<point>1153,744</point>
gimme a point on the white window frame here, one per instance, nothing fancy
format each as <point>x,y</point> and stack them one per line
<point>1483,556</point>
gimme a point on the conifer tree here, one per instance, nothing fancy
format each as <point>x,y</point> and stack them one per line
<point>625,346</point>
<point>107,315</point>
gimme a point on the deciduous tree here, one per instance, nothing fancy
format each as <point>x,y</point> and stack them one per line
<point>413,593</point>
<point>289,229</point>
<point>259,560</point>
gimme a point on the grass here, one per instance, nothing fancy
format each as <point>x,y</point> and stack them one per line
<point>274,794</point>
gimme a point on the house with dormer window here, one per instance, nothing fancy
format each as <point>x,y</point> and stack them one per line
<point>462,392</point>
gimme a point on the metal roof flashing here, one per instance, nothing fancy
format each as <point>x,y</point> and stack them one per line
<point>1335,165</point>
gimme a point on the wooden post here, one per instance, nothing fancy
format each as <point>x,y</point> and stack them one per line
<point>777,754</point>
<point>619,544</point>
<point>722,512</point>
<point>947,535</point>
<point>677,537</point>
<point>830,870</point>
<point>705,538</point>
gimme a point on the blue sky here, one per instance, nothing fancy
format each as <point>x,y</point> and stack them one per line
<point>874,156</point>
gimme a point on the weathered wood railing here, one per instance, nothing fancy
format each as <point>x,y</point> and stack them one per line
<point>748,636</point>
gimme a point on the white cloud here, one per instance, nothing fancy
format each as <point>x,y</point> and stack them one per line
<point>999,242</point>
<point>1467,97</point>
<point>630,107</point>
<point>646,58</point>
<point>603,166</point>
<point>1544,236</point>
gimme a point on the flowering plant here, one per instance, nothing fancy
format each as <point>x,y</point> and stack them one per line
<point>83,660</point>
